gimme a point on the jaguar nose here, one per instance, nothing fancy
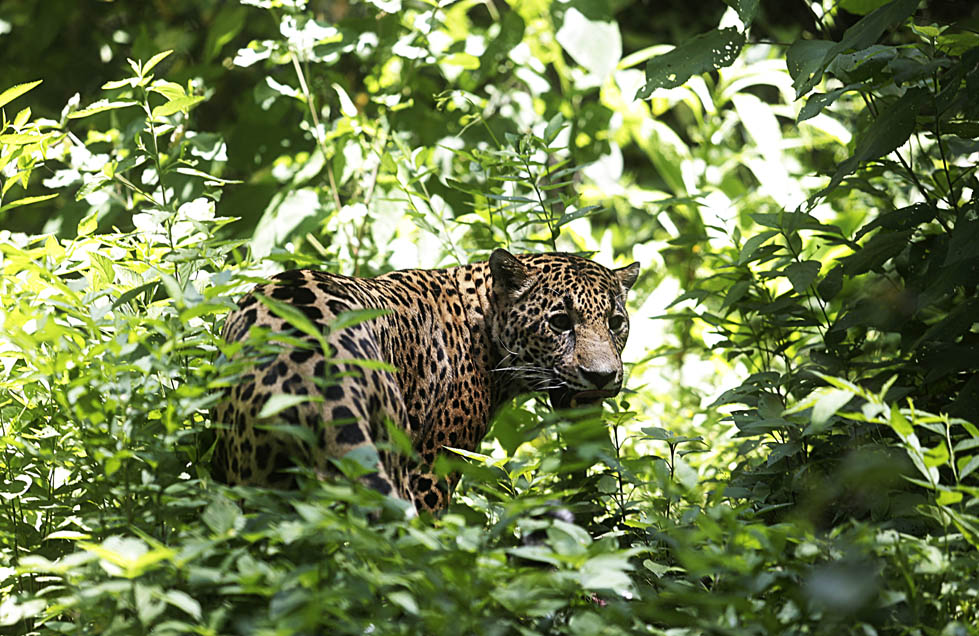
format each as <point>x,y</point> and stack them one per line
<point>599,379</point>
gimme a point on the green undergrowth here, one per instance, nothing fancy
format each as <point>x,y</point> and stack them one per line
<point>796,450</point>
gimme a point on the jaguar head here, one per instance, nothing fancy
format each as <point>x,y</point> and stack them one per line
<point>562,324</point>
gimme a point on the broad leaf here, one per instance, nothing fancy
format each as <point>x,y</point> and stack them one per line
<point>704,53</point>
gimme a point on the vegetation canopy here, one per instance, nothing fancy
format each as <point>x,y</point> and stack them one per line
<point>797,446</point>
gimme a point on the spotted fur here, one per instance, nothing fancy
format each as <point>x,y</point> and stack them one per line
<point>463,341</point>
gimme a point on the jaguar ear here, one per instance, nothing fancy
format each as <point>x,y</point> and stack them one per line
<point>509,274</point>
<point>627,275</point>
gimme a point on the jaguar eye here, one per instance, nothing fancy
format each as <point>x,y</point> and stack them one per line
<point>560,322</point>
<point>616,322</point>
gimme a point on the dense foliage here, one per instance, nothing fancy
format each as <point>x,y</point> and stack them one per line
<point>798,448</point>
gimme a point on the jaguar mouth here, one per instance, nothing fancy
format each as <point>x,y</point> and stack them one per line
<point>565,399</point>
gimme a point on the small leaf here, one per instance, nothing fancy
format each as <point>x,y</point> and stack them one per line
<point>900,424</point>
<point>937,456</point>
<point>180,104</point>
<point>805,62</point>
<point>280,402</point>
<point>67,534</point>
<point>347,106</point>
<point>100,107</point>
<point>209,178</point>
<point>831,284</point>
<point>465,60</point>
<point>182,600</point>
<point>735,293</point>
<point>170,90</point>
<point>14,92</point>
<point>129,81</point>
<point>967,465</point>
<point>817,102</point>
<point>828,404</point>
<point>26,201</point>
<point>88,225</point>
<point>801,275</point>
<point>752,244</point>
<point>949,497</point>
<point>221,515</point>
<point>153,61</point>
<point>356,316</point>
<point>874,253</point>
<point>577,214</point>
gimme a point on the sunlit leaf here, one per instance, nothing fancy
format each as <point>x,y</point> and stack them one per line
<point>14,92</point>
<point>101,106</point>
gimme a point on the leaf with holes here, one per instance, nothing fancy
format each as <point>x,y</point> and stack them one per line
<point>702,54</point>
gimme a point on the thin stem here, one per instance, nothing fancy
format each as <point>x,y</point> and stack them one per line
<point>311,106</point>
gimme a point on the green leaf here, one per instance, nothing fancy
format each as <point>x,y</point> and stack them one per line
<point>828,404</point>
<point>605,572</point>
<point>14,92</point>
<point>280,402</point>
<point>805,62</point>
<point>862,7</point>
<point>88,225</point>
<point>101,106</point>
<point>816,103</point>
<point>902,219</point>
<point>577,214</point>
<point>967,465</point>
<point>964,242</point>
<point>831,284</point>
<point>735,293</point>
<point>26,201</point>
<point>747,10</point>
<point>701,54</point>
<point>373,365</point>
<point>801,275</point>
<point>114,84</point>
<point>209,178</point>
<point>808,59</point>
<point>170,90</point>
<point>293,316</point>
<point>347,106</point>
<point>95,184</point>
<point>752,244</point>
<point>874,253</point>
<point>69,535</point>
<point>153,61</point>
<point>889,131</point>
<point>346,319</point>
<point>183,601</point>
<point>937,456</point>
<point>900,424</point>
<point>465,60</point>
<point>567,538</point>
<point>183,104</point>
<point>948,497</point>
<point>221,515</point>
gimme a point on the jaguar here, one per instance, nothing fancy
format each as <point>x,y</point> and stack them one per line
<point>455,344</point>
